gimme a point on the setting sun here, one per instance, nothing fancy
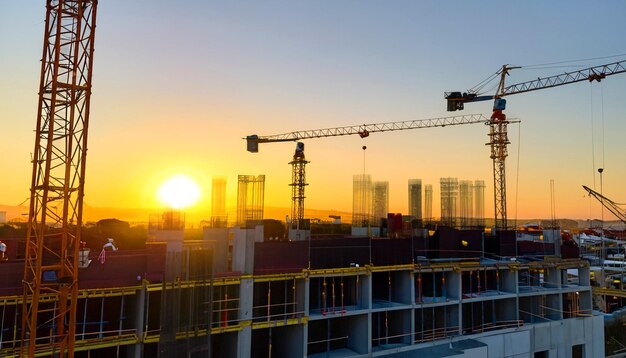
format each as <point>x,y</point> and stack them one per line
<point>179,192</point>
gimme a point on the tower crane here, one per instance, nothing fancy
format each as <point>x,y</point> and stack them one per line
<point>50,283</point>
<point>364,130</point>
<point>498,122</point>
<point>298,182</point>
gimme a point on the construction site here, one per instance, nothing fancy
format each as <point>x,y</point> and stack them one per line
<point>382,284</point>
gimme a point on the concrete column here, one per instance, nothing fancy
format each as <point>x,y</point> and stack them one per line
<point>244,342</point>
<point>303,292</point>
<point>220,247</point>
<point>553,236</point>
<point>453,284</point>
<point>365,291</point>
<point>305,336</point>
<point>139,321</point>
<point>508,281</point>
<point>360,333</point>
<point>244,337</point>
<point>583,276</point>
<point>552,277</point>
<point>403,287</point>
<point>243,250</point>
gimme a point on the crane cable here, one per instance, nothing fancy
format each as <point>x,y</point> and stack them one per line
<point>593,153</point>
<point>478,87</point>
<point>542,65</point>
<point>602,119</point>
<point>519,140</point>
<point>602,138</point>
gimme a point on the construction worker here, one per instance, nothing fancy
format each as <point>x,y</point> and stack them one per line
<point>110,244</point>
<point>3,251</point>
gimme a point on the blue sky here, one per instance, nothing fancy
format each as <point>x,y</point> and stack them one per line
<point>178,84</point>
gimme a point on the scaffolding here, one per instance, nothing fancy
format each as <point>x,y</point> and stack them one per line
<point>219,217</point>
<point>250,198</point>
<point>361,200</point>
<point>449,201</point>
<point>428,203</point>
<point>415,200</point>
<point>479,203</point>
<point>466,203</point>
<point>170,220</point>
<point>380,201</point>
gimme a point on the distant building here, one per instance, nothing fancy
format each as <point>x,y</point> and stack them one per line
<point>466,202</point>
<point>380,202</point>
<point>479,203</point>
<point>449,201</point>
<point>219,217</point>
<point>361,200</point>
<point>428,203</point>
<point>250,199</point>
<point>415,199</point>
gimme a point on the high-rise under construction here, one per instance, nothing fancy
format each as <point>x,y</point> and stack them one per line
<point>449,201</point>
<point>219,217</point>
<point>415,200</point>
<point>428,203</point>
<point>250,199</point>
<point>380,201</point>
<point>361,200</point>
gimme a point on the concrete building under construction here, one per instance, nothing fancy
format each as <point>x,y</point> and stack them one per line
<point>337,297</point>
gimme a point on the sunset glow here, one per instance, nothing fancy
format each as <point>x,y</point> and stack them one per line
<point>179,192</point>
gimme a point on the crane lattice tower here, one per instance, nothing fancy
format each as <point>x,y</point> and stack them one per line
<point>58,177</point>
<point>298,183</point>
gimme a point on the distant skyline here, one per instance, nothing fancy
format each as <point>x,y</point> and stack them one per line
<point>177,85</point>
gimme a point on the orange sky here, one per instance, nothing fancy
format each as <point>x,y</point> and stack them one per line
<point>174,91</point>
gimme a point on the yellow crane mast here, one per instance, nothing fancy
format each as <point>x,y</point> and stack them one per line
<point>50,284</point>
